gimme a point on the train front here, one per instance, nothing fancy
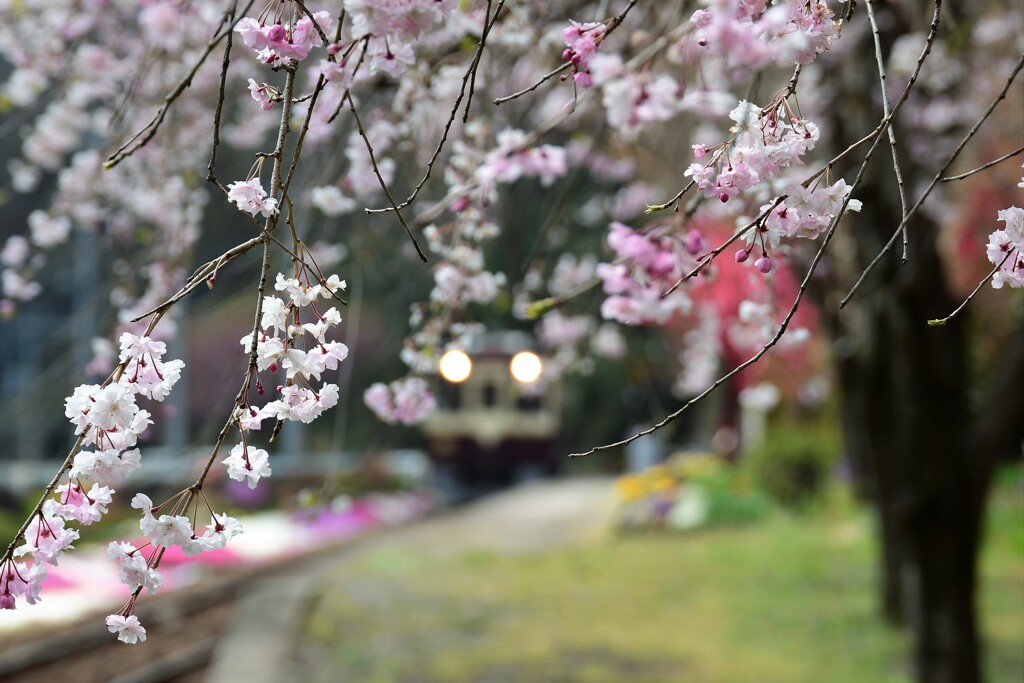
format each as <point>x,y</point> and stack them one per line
<point>498,414</point>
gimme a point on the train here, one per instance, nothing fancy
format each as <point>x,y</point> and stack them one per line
<point>498,415</point>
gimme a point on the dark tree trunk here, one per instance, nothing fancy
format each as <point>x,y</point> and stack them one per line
<point>907,424</point>
<point>910,432</point>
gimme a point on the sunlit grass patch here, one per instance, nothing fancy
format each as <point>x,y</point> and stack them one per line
<point>791,599</point>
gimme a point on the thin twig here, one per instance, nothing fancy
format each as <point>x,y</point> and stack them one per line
<point>469,78</point>
<point>706,260</point>
<point>885,112</point>
<point>990,164</point>
<point>543,79</point>
<point>679,195</point>
<point>251,369</point>
<point>536,309</point>
<point>611,26</point>
<point>380,178</point>
<point>938,322</point>
<point>146,133</point>
<point>488,24</point>
<point>225,63</point>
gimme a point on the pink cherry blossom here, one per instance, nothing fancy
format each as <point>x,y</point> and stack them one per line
<point>250,197</point>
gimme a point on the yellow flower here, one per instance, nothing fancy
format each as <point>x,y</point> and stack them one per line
<point>629,487</point>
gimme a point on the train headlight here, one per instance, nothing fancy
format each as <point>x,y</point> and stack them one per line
<point>526,367</point>
<point>455,366</point>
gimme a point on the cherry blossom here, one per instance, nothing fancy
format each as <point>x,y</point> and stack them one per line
<point>247,464</point>
<point>275,43</point>
<point>407,401</point>
<point>250,197</point>
<point>133,569</point>
<point>128,629</point>
<point>648,264</point>
<point>1006,249</point>
<point>46,538</point>
<point>582,41</point>
<point>165,530</point>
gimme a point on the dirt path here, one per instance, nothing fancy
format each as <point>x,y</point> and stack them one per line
<point>531,517</point>
<point>528,519</point>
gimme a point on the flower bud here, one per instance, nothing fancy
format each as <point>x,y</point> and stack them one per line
<point>765,264</point>
<point>276,33</point>
<point>694,243</point>
<point>741,255</point>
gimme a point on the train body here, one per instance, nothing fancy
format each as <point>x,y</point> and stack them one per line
<point>498,415</point>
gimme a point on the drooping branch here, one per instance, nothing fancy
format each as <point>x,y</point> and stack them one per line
<point>380,178</point>
<point>949,179</point>
<point>935,180</point>
<point>469,78</point>
<point>146,133</point>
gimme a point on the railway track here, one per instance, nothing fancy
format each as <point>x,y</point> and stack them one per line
<point>184,628</point>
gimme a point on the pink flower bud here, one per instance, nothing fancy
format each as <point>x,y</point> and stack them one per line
<point>699,151</point>
<point>333,48</point>
<point>583,79</point>
<point>694,243</point>
<point>276,33</point>
<point>765,264</point>
<point>741,255</point>
<point>724,197</point>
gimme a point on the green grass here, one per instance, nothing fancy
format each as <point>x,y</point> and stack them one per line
<point>789,600</point>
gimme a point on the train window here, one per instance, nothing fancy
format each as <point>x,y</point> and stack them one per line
<point>450,396</point>
<point>528,404</point>
<point>490,398</point>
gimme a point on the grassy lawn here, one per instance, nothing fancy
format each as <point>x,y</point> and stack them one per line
<point>789,600</point>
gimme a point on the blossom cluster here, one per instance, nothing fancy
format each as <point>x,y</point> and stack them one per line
<point>282,345</point>
<point>461,277</point>
<point>766,141</point>
<point>582,41</point>
<point>751,33</point>
<point>805,212</point>
<point>515,157</point>
<point>574,342</point>
<point>647,265</point>
<point>107,418</point>
<point>406,401</point>
<point>139,572</point>
<point>1006,248</point>
<point>60,159</point>
<point>277,43</point>
<point>391,27</point>
<point>634,99</point>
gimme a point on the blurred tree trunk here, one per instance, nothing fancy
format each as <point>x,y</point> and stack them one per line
<point>918,452</point>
